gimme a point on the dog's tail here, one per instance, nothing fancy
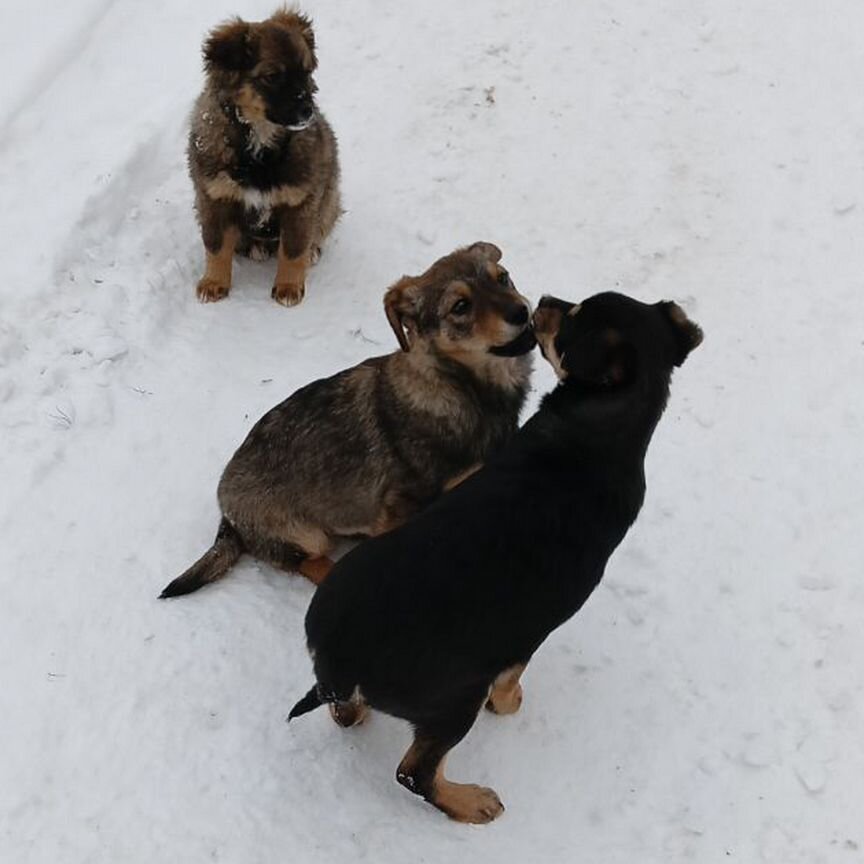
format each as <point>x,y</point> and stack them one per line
<point>309,702</point>
<point>212,565</point>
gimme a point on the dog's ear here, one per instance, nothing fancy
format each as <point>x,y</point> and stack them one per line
<point>688,335</point>
<point>484,252</point>
<point>291,19</point>
<point>228,47</point>
<point>402,305</point>
<point>601,359</point>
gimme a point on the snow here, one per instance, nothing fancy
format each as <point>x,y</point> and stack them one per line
<point>707,703</point>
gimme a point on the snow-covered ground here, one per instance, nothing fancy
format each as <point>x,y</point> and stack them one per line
<point>707,703</point>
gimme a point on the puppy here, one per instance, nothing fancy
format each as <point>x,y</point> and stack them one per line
<point>441,616</point>
<point>262,158</point>
<point>356,454</point>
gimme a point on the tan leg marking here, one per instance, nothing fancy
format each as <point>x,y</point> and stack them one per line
<point>350,713</point>
<point>290,278</point>
<point>465,802</point>
<point>506,694</point>
<point>216,281</point>
<point>316,570</point>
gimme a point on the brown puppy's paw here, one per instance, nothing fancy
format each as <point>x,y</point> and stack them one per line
<point>505,701</point>
<point>209,290</point>
<point>466,802</point>
<point>288,293</point>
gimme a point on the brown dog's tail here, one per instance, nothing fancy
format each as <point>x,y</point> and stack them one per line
<point>212,565</point>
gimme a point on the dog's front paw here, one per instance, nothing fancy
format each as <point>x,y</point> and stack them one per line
<point>505,701</point>
<point>288,293</point>
<point>466,802</point>
<point>209,290</point>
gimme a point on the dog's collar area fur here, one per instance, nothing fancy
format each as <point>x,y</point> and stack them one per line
<point>510,374</point>
<point>256,144</point>
<point>253,143</point>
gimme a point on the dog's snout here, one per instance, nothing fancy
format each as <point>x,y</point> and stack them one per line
<point>517,315</point>
<point>547,317</point>
<point>542,320</point>
<point>547,301</point>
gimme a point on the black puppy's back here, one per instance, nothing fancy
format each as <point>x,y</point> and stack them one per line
<point>476,582</point>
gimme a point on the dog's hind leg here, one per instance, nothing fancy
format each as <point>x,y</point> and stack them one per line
<point>505,697</point>
<point>316,570</point>
<point>422,771</point>
<point>351,712</point>
<point>212,565</point>
<point>301,548</point>
<point>296,557</point>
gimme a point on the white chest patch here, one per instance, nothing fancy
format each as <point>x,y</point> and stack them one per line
<point>223,187</point>
<point>255,199</point>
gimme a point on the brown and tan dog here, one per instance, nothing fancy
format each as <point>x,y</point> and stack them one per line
<point>262,158</point>
<point>358,453</point>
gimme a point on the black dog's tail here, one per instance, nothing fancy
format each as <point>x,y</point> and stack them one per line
<point>212,565</point>
<point>309,702</point>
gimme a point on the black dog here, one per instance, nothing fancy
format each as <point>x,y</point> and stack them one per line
<point>432,620</point>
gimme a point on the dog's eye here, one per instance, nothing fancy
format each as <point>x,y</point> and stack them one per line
<point>461,307</point>
<point>270,78</point>
<point>503,278</point>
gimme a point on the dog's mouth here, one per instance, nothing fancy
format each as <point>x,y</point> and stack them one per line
<point>522,344</point>
<point>291,121</point>
<point>290,115</point>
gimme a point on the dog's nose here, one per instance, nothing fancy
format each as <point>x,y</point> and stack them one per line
<point>518,316</point>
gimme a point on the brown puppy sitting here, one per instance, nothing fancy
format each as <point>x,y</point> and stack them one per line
<point>262,157</point>
<point>358,453</point>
